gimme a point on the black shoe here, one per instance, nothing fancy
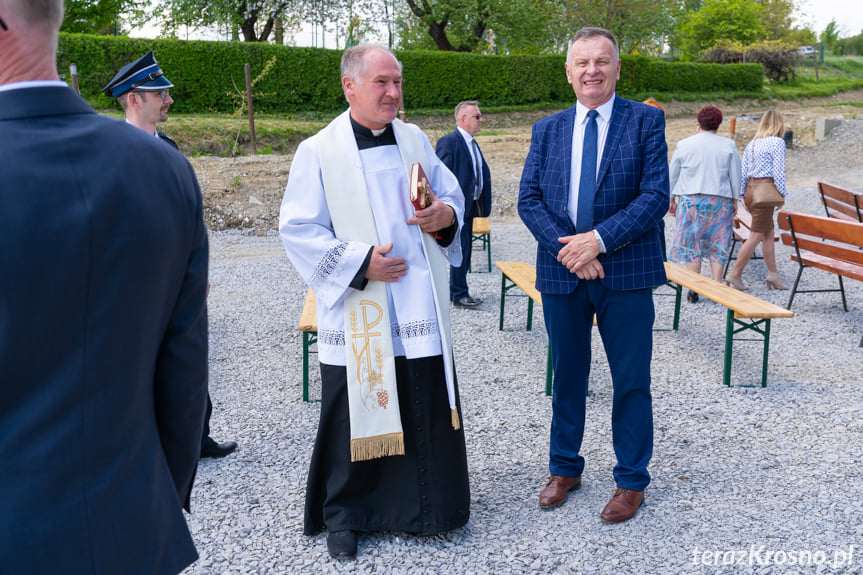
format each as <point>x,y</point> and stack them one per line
<point>342,544</point>
<point>467,302</point>
<point>692,296</point>
<point>212,449</point>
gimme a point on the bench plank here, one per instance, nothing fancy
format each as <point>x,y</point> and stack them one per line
<point>808,235</point>
<point>743,304</point>
<point>840,203</point>
<point>309,317</point>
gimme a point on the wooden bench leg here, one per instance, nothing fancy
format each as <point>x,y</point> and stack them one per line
<point>505,288</point>
<point>485,245</point>
<point>502,298</point>
<point>743,325</point>
<point>309,338</point>
<point>678,290</point>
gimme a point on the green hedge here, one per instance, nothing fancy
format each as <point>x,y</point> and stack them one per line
<point>852,46</point>
<point>303,79</point>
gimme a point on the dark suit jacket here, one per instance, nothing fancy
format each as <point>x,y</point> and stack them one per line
<point>453,152</point>
<point>103,341</point>
<point>631,197</point>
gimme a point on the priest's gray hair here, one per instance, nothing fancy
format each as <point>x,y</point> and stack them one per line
<point>354,60</point>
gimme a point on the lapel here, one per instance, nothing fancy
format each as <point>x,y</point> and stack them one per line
<point>616,128</point>
<point>41,102</point>
<point>565,146</point>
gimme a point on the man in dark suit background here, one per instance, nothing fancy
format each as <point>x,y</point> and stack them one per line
<point>103,325</point>
<point>593,190</point>
<point>143,92</point>
<point>460,153</point>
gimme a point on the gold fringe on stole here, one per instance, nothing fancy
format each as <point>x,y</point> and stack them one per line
<point>365,448</point>
<point>456,424</point>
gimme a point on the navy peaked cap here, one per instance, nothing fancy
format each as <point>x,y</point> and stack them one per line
<point>142,74</point>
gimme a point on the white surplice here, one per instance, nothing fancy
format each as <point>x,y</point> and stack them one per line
<point>328,265</point>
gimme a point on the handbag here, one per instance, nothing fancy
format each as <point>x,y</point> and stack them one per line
<point>762,192</point>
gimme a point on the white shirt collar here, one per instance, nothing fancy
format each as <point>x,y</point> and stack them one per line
<point>465,134</point>
<point>32,84</point>
<point>604,111</point>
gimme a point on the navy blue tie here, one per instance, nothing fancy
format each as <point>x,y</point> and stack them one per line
<point>587,180</point>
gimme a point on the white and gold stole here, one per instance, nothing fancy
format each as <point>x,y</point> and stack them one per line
<point>375,420</point>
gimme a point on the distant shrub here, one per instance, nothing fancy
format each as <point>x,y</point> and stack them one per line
<point>778,59</point>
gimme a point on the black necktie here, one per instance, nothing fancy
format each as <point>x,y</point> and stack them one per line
<point>477,166</point>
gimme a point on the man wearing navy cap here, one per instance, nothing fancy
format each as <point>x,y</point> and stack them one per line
<point>142,90</point>
<point>103,325</point>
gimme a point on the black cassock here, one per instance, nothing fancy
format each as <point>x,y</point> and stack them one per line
<point>424,491</point>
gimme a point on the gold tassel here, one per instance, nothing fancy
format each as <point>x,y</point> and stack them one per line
<point>455,421</point>
<point>365,448</point>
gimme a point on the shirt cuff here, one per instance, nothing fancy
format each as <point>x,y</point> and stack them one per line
<point>599,241</point>
<point>360,280</point>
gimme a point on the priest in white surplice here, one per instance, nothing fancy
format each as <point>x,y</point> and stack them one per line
<point>390,450</point>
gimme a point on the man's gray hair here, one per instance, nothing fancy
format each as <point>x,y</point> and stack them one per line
<point>592,32</point>
<point>462,105</point>
<point>38,13</point>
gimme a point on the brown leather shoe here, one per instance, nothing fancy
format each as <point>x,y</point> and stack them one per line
<point>622,505</point>
<point>557,490</point>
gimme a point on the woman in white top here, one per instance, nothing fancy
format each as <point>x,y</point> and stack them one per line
<point>764,157</point>
<point>705,184</point>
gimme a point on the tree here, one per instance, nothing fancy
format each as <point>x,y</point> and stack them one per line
<point>469,20</point>
<point>830,34</point>
<point>255,19</point>
<point>737,20</point>
<point>100,16</point>
<point>638,25</point>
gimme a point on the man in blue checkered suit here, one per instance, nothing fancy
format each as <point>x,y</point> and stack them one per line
<point>593,191</point>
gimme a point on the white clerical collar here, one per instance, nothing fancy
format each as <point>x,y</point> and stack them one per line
<point>33,84</point>
<point>604,110</point>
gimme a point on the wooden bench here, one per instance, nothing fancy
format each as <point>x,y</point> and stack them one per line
<point>746,313</point>
<point>309,326</point>
<point>522,275</point>
<point>828,244</point>
<point>840,203</point>
<point>481,234</point>
<point>741,231</point>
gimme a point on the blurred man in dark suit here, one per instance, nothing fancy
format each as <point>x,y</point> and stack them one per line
<point>460,153</point>
<point>143,91</point>
<point>103,325</point>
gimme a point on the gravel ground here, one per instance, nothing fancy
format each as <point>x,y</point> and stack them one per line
<point>747,470</point>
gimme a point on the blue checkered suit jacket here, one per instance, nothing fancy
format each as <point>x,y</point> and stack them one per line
<point>631,197</point>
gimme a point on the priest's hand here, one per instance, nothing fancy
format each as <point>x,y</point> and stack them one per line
<point>433,218</point>
<point>383,268</point>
